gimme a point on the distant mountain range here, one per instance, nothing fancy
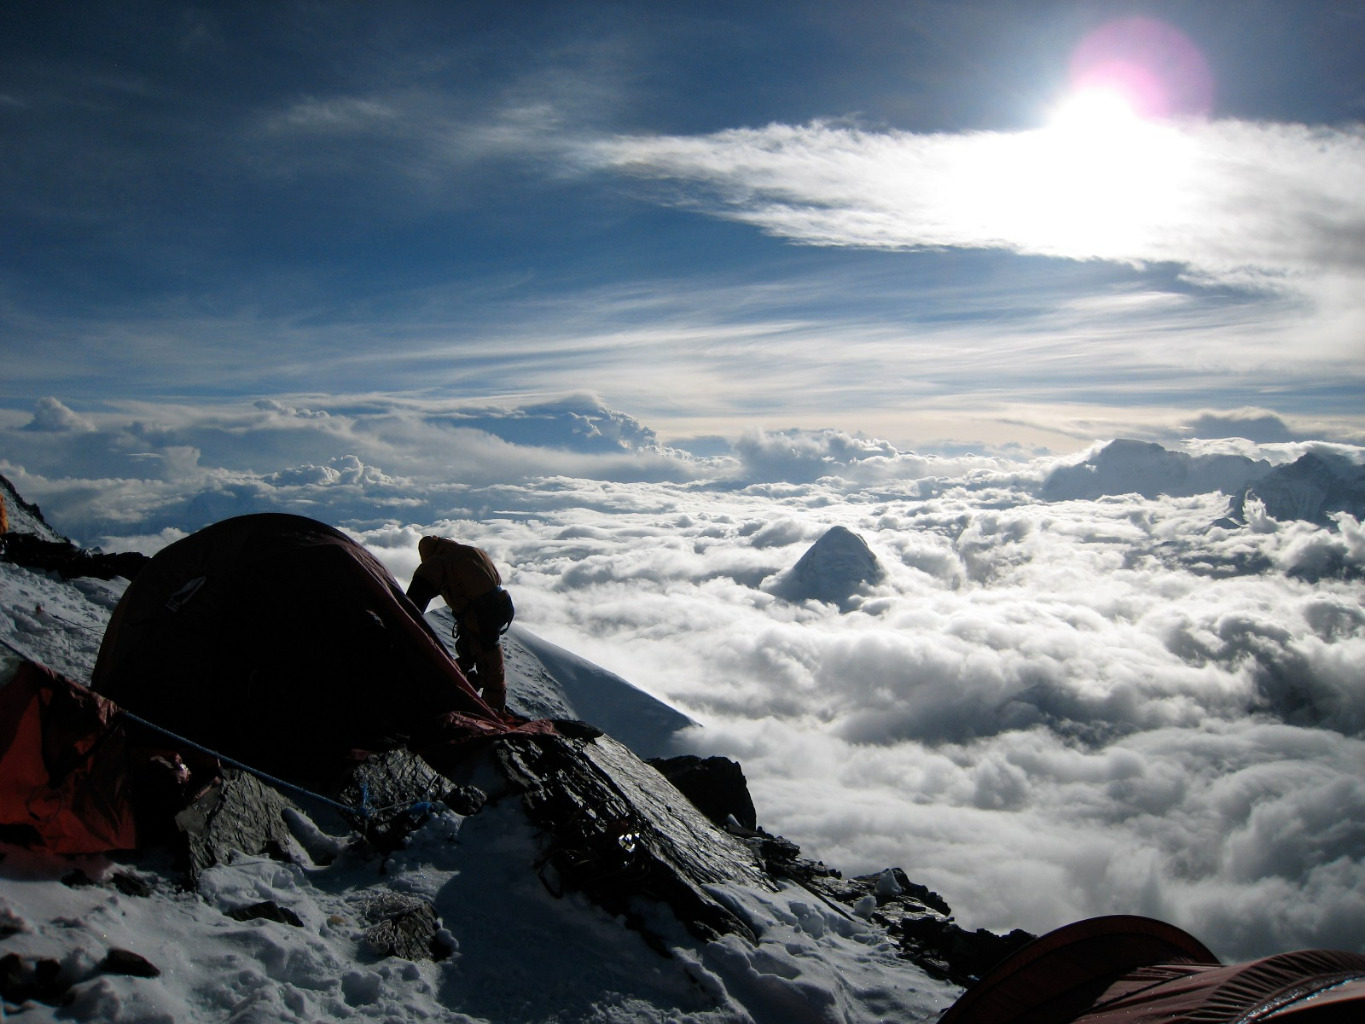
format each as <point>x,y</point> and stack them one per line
<point>1311,488</point>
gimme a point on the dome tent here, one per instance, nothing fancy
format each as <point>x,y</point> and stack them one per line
<point>1136,970</point>
<point>279,641</point>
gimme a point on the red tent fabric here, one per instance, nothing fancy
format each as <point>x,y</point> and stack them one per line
<point>1135,970</point>
<point>64,775</point>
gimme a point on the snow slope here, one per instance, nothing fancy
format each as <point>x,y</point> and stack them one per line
<point>520,953</point>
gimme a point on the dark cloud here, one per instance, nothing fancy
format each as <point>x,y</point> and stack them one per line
<point>1262,428</point>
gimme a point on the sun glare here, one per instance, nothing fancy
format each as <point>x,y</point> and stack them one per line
<point>1095,112</point>
<point>1099,175</point>
<point>1107,166</point>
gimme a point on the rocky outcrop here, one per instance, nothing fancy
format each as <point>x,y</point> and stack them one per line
<point>29,541</point>
<point>237,813</point>
<point>922,924</point>
<point>613,828</point>
<point>616,830</point>
<point>715,785</point>
<point>917,918</point>
<point>67,560</point>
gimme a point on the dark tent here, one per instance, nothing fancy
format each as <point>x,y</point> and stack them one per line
<point>1134,970</point>
<point>279,641</point>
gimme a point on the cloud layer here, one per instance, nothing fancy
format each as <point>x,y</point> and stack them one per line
<point>1045,711</point>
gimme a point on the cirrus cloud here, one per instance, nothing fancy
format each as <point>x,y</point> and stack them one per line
<point>1234,201</point>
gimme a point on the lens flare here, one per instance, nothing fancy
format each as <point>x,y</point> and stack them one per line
<point>1151,64</point>
<point>1113,160</point>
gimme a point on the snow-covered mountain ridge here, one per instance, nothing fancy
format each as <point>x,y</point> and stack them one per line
<point>1312,487</point>
<point>517,952</point>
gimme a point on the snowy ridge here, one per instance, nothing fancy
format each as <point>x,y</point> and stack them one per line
<point>520,954</point>
<point>546,681</point>
<point>24,517</point>
<point>550,682</point>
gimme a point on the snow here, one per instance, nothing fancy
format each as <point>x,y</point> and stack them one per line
<point>549,678</point>
<point>519,953</point>
<point>57,623</point>
<point>22,517</point>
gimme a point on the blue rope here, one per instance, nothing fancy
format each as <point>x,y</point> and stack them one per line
<point>363,811</point>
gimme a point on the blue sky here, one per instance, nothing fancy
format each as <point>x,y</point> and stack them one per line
<point>816,215</point>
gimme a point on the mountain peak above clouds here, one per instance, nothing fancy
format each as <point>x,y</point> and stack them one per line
<point>1127,466</point>
<point>1312,487</point>
<point>833,570</point>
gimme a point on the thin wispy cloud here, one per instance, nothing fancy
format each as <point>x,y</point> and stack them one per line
<point>1236,202</point>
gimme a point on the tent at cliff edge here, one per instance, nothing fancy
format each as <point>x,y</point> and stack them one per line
<point>212,655</point>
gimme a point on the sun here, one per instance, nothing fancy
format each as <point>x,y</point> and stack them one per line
<point>1099,175</point>
<point>1097,112</point>
<point>1112,159</point>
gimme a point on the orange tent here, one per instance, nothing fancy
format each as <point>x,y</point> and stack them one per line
<point>1135,970</point>
<point>64,778</point>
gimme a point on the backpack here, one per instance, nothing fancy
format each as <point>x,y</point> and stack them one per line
<point>492,612</point>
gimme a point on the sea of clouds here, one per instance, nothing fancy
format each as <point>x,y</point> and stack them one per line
<point>1054,703</point>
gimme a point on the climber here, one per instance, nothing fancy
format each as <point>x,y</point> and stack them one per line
<point>469,582</point>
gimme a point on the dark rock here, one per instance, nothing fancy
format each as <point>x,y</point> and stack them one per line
<point>68,560</point>
<point>130,885</point>
<point>122,961</point>
<point>779,856</point>
<point>395,792</point>
<point>77,879</point>
<point>715,785</point>
<point>892,889</point>
<point>42,981</point>
<point>13,977</point>
<point>574,729</point>
<point>465,800</point>
<point>268,910</point>
<point>920,921</point>
<point>237,813</point>
<point>617,830</point>
<point>402,926</point>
